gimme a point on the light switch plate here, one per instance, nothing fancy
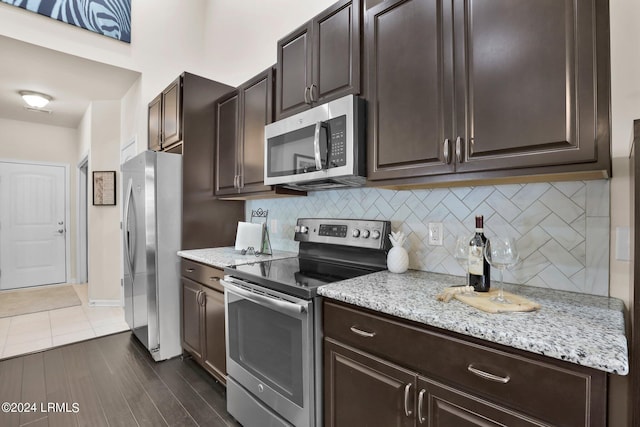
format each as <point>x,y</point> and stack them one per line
<point>436,230</point>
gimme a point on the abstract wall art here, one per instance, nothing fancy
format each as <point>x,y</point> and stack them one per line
<point>111,18</point>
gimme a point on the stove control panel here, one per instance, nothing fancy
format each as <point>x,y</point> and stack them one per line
<point>348,232</point>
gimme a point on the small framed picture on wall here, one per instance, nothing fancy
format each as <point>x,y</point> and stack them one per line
<point>104,188</point>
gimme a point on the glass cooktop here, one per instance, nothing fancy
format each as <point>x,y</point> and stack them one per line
<point>296,276</point>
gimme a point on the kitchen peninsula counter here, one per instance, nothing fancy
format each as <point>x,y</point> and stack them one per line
<point>227,256</point>
<point>583,329</point>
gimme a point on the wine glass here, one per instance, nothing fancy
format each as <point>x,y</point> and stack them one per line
<point>501,253</point>
<point>461,251</point>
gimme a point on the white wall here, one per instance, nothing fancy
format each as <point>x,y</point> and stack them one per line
<point>241,36</point>
<point>104,221</point>
<point>49,144</point>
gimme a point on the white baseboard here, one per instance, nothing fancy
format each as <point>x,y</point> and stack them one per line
<point>105,303</point>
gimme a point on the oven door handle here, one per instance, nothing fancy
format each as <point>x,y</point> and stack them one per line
<point>283,306</point>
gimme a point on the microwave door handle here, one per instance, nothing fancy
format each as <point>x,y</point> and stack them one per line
<point>316,144</point>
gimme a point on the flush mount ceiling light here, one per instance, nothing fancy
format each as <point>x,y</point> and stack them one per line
<point>35,99</point>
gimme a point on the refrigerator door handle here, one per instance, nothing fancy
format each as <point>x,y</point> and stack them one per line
<point>130,235</point>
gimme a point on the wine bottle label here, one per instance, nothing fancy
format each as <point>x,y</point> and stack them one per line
<point>476,265</point>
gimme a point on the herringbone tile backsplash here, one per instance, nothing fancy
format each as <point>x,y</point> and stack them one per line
<point>562,228</point>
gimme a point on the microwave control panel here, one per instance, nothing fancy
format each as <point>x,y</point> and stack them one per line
<point>337,141</point>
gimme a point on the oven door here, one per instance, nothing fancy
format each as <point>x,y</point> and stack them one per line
<point>270,348</point>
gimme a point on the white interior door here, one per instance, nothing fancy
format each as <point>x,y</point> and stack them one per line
<point>33,237</point>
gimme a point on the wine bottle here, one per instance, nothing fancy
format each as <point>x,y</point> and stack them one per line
<point>479,269</point>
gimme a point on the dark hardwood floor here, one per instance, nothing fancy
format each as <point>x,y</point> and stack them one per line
<point>109,381</point>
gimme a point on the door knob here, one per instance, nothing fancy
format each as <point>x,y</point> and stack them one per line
<point>60,230</point>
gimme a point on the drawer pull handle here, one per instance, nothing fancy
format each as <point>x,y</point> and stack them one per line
<point>214,279</point>
<point>488,376</point>
<point>189,270</point>
<point>362,333</point>
<point>421,419</point>
<point>407,411</point>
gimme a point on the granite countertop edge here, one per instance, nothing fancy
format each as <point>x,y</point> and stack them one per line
<point>227,256</point>
<point>587,330</point>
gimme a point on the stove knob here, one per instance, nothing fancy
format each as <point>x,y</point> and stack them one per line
<point>365,234</point>
<point>375,234</point>
<point>304,229</point>
<point>355,232</point>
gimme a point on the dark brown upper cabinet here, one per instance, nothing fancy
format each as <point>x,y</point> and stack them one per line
<point>165,117</point>
<point>227,122</point>
<point>457,94</point>
<point>155,123</point>
<point>319,61</point>
<point>241,117</point>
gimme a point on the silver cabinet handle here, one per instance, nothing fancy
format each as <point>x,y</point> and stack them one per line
<point>189,270</point>
<point>362,333</point>
<point>447,159</point>
<point>488,376</point>
<point>421,419</point>
<point>306,95</point>
<point>214,279</point>
<point>459,149</point>
<point>312,91</point>
<point>407,411</point>
<point>240,181</point>
<point>198,298</point>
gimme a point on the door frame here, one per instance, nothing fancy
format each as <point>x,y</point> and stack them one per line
<point>82,212</point>
<point>67,206</point>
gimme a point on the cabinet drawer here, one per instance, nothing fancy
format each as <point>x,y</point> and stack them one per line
<point>526,384</point>
<point>204,274</point>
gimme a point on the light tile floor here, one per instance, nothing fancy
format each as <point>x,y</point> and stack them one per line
<point>46,329</point>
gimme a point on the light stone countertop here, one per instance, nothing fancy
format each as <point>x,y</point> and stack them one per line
<point>228,256</point>
<point>584,329</point>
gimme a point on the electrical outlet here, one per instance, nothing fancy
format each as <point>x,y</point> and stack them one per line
<point>436,231</point>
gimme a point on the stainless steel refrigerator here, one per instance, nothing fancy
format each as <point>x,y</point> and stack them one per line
<point>152,194</point>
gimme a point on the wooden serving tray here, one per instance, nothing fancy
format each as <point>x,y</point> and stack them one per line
<point>481,300</point>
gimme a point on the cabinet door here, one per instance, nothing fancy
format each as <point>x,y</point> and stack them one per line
<point>293,76</point>
<point>226,142</point>
<point>361,390</point>
<point>154,123</point>
<point>409,58</point>
<point>172,114</point>
<point>256,101</point>
<point>336,52</point>
<point>526,83</point>
<point>443,406</point>
<point>191,313</point>
<point>215,359</point>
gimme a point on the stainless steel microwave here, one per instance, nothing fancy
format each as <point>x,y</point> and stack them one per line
<point>318,149</point>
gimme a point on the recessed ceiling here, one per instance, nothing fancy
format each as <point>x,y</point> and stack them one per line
<point>71,81</point>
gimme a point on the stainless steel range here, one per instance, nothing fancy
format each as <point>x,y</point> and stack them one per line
<point>273,314</point>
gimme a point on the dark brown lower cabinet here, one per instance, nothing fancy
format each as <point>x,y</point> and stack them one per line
<point>365,390</point>
<point>380,370</point>
<point>203,327</point>
<point>361,390</point>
